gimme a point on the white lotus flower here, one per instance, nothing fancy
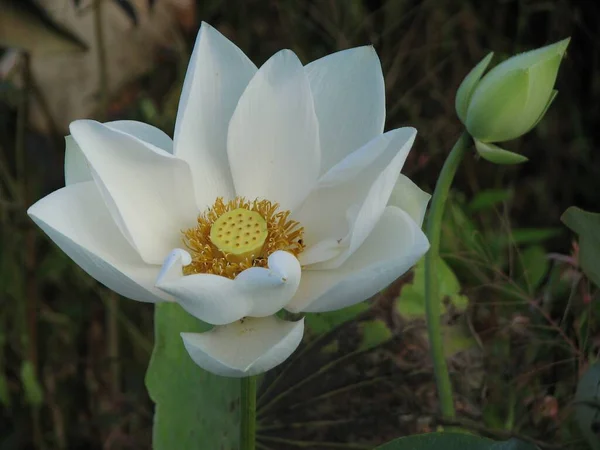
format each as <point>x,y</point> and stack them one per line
<point>274,194</point>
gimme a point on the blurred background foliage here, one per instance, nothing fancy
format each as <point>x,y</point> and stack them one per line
<point>521,321</point>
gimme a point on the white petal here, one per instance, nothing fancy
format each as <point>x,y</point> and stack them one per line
<point>144,132</point>
<point>211,298</point>
<point>218,300</point>
<point>281,281</point>
<point>273,142</point>
<point>410,198</point>
<point>245,348</point>
<point>393,247</point>
<point>352,196</point>
<point>77,169</point>
<point>324,250</point>
<point>77,220</point>
<point>148,191</point>
<point>349,95</point>
<point>217,75</point>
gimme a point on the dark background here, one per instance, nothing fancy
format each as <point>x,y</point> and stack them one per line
<point>71,373</point>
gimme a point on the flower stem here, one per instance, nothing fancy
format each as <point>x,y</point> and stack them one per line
<point>248,425</point>
<point>433,302</point>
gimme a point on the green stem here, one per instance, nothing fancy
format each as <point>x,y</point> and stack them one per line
<point>248,425</point>
<point>433,302</point>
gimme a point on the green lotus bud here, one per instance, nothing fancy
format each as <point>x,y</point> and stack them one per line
<point>510,99</point>
<point>498,155</point>
<point>466,88</point>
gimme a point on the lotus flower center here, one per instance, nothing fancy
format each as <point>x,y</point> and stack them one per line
<point>233,236</point>
<point>240,232</point>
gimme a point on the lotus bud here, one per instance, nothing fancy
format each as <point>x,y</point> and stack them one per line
<point>509,100</point>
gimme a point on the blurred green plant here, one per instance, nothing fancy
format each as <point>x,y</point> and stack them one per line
<point>587,226</point>
<point>587,405</point>
<point>453,441</point>
<point>411,306</point>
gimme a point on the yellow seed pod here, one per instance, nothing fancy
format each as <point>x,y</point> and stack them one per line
<point>239,232</point>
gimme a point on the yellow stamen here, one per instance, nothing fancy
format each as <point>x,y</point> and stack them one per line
<point>216,252</point>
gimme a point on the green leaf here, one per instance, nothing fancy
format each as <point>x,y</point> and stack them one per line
<point>460,232</point>
<point>332,347</point>
<point>522,236</point>
<point>374,333</point>
<point>587,405</point>
<point>497,155</point>
<point>513,444</point>
<point>587,226</point>
<point>321,323</point>
<point>533,235</point>
<point>411,303</point>
<point>33,391</point>
<point>452,441</point>
<point>535,264</point>
<point>457,338</point>
<point>466,88</point>
<point>489,198</point>
<point>194,408</point>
